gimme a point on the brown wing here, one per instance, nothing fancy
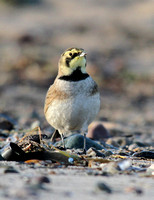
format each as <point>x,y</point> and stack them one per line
<point>53,94</point>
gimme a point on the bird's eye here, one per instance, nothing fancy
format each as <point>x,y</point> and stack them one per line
<point>74,55</point>
<point>70,54</point>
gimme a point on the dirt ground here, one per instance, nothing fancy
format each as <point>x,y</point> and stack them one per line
<point>118,38</point>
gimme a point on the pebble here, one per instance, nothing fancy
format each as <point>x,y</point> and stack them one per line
<point>144,154</point>
<point>132,147</point>
<point>104,187</point>
<point>10,169</point>
<point>6,125</point>
<point>97,131</point>
<point>116,167</point>
<point>71,160</point>
<point>94,152</point>
<point>150,170</point>
<point>136,190</point>
<point>125,164</point>
<point>140,144</point>
<point>109,168</point>
<point>36,183</point>
<point>43,179</point>
<point>76,141</point>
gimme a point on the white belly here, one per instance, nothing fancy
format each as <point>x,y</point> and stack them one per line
<point>74,113</point>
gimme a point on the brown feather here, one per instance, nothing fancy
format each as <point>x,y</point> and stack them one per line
<point>52,94</point>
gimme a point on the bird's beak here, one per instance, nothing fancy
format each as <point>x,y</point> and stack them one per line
<point>83,54</point>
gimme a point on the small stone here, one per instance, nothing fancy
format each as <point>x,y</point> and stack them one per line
<point>144,154</point>
<point>132,147</point>
<point>10,169</point>
<point>37,183</point>
<point>76,141</point>
<point>125,164</point>
<point>97,131</point>
<point>136,190</point>
<point>94,152</point>
<point>71,160</point>
<point>121,153</point>
<point>6,125</point>
<point>109,168</point>
<point>116,167</point>
<point>140,144</point>
<point>150,170</point>
<point>43,179</point>
<point>104,187</point>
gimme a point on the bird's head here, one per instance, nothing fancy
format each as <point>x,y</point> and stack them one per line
<point>71,60</point>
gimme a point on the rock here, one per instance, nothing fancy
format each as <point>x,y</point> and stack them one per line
<point>150,170</point>
<point>38,180</point>
<point>136,190</point>
<point>6,125</point>
<point>93,152</point>
<point>97,131</point>
<point>71,160</point>
<point>10,169</point>
<point>42,179</point>
<point>26,39</point>
<point>125,164</point>
<point>37,183</point>
<point>104,187</point>
<point>109,168</point>
<point>112,168</point>
<point>76,141</point>
<point>144,154</point>
<point>122,153</point>
<point>140,144</point>
<point>132,147</point>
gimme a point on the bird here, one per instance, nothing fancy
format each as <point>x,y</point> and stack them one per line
<point>73,100</point>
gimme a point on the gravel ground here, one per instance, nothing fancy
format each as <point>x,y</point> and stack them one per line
<point>67,183</point>
<point>118,38</point>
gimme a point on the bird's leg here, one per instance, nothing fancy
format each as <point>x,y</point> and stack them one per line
<point>62,137</point>
<point>55,135</point>
<point>84,144</point>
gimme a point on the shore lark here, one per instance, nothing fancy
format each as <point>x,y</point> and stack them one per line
<point>73,101</point>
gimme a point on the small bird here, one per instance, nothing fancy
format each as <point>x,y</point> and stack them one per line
<point>73,100</point>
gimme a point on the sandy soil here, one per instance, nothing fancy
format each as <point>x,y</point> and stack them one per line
<point>118,38</point>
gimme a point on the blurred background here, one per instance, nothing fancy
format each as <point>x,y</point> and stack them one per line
<point>117,35</point>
